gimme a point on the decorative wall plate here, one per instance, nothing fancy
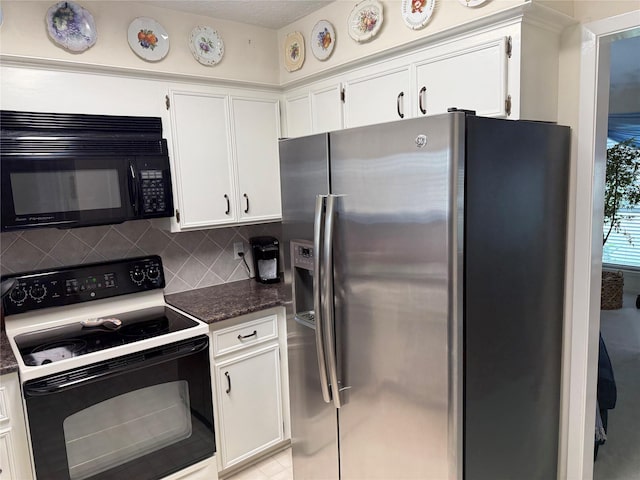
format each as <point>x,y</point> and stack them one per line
<point>206,45</point>
<point>148,39</point>
<point>416,13</point>
<point>365,20</point>
<point>472,3</point>
<point>293,51</point>
<point>323,39</point>
<point>71,26</point>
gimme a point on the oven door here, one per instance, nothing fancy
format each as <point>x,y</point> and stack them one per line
<point>144,415</point>
<point>67,192</point>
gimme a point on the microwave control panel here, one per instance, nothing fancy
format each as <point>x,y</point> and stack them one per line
<point>153,191</point>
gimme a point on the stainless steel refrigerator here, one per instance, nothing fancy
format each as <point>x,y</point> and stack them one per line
<point>426,261</point>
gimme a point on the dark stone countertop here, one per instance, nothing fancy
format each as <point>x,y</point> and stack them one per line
<point>209,304</point>
<point>229,300</point>
<point>8,362</point>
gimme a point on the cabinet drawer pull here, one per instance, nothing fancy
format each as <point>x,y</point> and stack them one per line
<point>228,390</point>
<point>246,210</point>
<point>226,197</point>
<point>400,97</point>
<point>254,334</point>
<point>423,90</point>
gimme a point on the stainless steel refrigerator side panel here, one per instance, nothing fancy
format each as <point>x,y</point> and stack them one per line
<point>456,298</point>
<point>304,172</point>
<point>515,229</point>
<point>392,251</point>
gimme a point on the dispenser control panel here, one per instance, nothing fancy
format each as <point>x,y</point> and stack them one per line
<point>302,255</point>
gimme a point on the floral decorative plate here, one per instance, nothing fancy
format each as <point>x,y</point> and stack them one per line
<point>148,39</point>
<point>416,13</point>
<point>365,20</point>
<point>206,45</point>
<point>472,3</point>
<point>323,39</point>
<point>71,26</point>
<point>293,51</point>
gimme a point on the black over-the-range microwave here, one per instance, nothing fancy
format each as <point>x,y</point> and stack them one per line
<point>75,170</point>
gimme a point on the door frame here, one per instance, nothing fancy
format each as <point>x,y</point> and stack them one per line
<point>586,258</point>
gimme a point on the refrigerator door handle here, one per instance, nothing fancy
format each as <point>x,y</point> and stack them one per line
<point>327,293</point>
<point>317,298</point>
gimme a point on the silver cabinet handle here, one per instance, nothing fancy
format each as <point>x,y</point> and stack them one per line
<point>246,210</point>
<point>327,293</point>
<point>228,390</point>
<point>400,97</point>
<point>421,96</point>
<point>317,298</point>
<point>226,197</point>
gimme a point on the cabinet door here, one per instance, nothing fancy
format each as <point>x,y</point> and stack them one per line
<point>7,463</point>
<point>298,112</point>
<point>380,97</point>
<point>474,78</point>
<point>249,404</point>
<point>256,132</point>
<point>202,159</point>
<point>326,109</point>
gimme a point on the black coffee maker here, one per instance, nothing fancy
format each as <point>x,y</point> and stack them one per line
<point>266,258</point>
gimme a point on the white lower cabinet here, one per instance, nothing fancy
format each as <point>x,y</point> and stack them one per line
<point>250,404</point>
<point>250,388</point>
<point>15,460</point>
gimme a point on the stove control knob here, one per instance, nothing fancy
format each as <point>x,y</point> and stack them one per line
<point>18,295</point>
<point>153,273</point>
<point>137,276</point>
<point>38,292</point>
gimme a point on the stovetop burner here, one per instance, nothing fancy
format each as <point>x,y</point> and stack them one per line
<point>58,343</point>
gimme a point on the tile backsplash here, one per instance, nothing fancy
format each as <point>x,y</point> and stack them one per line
<point>191,259</point>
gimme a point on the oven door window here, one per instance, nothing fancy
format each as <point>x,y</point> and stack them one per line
<point>141,416</point>
<point>126,427</point>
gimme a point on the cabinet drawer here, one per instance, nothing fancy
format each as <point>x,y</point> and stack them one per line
<point>4,406</point>
<point>245,335</point>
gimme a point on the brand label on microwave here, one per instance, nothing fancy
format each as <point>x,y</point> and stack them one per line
<point>33,219</point>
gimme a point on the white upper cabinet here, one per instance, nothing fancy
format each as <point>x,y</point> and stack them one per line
<point>297,107</point>
<point>377,97</point>
<point>326,107</point>
<point>225,158</point>
<point>508,69</point>
<point>472,78</point>
<point>202,160</point>
<point>256,132</point>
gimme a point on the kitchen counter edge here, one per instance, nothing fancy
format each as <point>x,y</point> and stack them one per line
<point>229,300</point>
<point>8,362</point>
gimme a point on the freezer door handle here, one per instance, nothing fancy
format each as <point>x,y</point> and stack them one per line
<point>327,294</point>
<point>317,299</point>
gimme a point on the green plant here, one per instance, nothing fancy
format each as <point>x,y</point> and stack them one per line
<point>622,187</point>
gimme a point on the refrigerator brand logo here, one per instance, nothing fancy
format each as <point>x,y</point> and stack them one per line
<point>421,141</point>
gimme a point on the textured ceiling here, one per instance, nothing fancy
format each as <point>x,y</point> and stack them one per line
<point>272,14</point>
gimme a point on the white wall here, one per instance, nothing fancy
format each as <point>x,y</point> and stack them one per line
<point>393,33</point>
<point>250,52</point>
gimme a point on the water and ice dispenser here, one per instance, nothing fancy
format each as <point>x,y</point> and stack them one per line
<point>302,278</point>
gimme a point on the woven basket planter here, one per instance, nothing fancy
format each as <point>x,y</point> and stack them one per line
<point>612,285</point>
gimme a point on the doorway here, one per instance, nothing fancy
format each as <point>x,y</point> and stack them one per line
<point>586,271</point>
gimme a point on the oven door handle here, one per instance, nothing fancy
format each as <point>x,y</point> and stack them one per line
<point>110,368</point>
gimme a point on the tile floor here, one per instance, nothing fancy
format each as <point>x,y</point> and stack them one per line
<point>277,467</point>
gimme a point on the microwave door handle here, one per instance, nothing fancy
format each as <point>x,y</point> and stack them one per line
<point>327,293</point>
<point>317,298</point>
<point>133,189</point>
